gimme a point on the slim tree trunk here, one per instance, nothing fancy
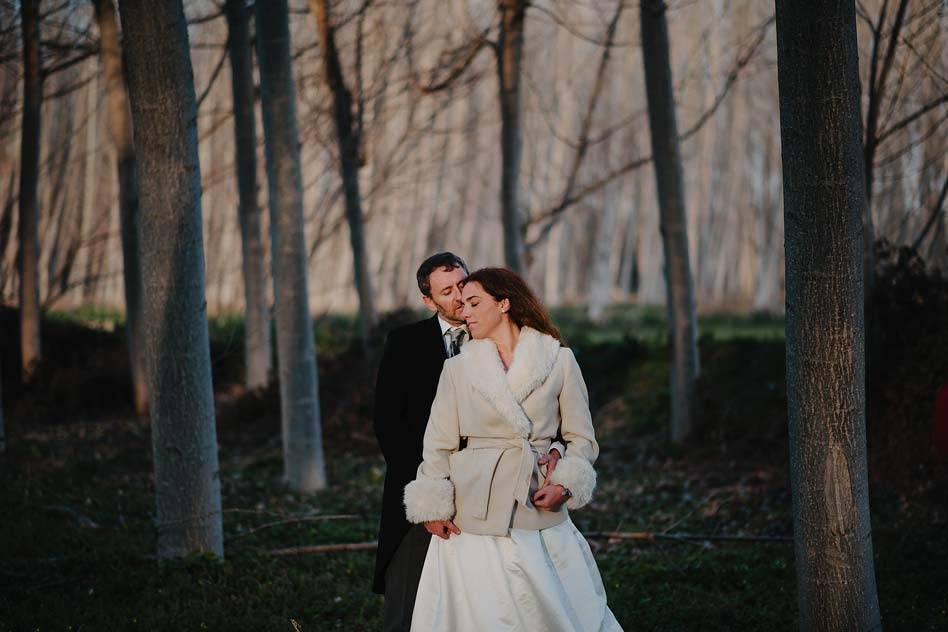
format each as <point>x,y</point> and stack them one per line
<point>257,353</point>
<point>184,440</point>
<point>305,466</point>
<point>509,62</point>
<point>3,428</point>
<point>120,125</point>
<point>347,136</point>
<point>679,293</point>
<point>824,205</point>
<point>28,225</point>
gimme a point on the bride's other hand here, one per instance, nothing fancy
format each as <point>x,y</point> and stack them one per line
<point>549,497</point>
<point>442,528</point>
<point>550,460</point>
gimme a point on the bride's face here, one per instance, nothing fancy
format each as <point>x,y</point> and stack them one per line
<point>482,313</point>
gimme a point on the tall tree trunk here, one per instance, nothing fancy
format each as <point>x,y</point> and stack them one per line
<point>599,293</point>
<point>3,428</point>
<point>305,466</point>
<point>184,440</point>
<point>28,225</point>
<point>679,293</point>
<point>509,63</point>
<point>347,136</point>
<point>824,205</point>
<point>257,353</point>
<point>120,125</point>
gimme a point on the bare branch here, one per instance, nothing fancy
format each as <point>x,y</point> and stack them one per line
<point>210,17</point>
<point>552,215</point>
<point>214,75</point>
<point>922,111</point>
<point>740,62</point>
<point>458,60</point>
<point>936,211</point>
<point>69,63</point>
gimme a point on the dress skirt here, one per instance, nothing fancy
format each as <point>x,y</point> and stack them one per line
<point>544,580</point>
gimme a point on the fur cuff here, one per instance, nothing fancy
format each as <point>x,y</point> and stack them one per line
<point>429,499</point>
<point>576,474</point>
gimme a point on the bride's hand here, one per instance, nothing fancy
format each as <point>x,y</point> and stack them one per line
<point>442,528</point>
<point>550,461</point>
<point>549,497</point>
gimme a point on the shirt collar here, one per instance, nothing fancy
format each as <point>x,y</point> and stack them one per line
<point>445,325</point>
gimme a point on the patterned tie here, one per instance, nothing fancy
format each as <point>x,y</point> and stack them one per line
<point>457,339</point>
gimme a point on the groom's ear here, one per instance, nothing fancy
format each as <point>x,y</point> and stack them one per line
<point>430,304</point>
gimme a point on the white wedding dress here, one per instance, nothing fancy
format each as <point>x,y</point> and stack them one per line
<point>543,581</point>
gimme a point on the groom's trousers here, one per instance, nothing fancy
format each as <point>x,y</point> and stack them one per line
<point>401,579</point>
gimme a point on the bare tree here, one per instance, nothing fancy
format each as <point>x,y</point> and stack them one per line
<point>28,224</point>
<point>184,440</point>
<point>680,301</point>
<point>305,465</point>
<point>257,353</point>
<point>509,50</point>
<point>824,205</point>
<point>3,428</point>
<point>120,124</point>
<point>348,137</point>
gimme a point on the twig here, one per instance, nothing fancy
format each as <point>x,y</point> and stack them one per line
<point>293,521</point>
<point>326,548</point>
<point>649,536</point>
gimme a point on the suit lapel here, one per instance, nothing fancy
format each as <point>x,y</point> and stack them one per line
<point>438,352</point>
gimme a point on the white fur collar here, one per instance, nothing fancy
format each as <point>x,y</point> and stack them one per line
<point>534,358</point>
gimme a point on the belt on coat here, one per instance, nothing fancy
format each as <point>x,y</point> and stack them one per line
<point>528,462</point>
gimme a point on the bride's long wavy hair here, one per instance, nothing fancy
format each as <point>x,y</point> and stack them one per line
<point>526,310</point>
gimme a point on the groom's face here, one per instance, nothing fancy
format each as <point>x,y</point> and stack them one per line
<point>445,296</point>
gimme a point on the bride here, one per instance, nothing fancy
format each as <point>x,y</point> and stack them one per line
<point>507,555</point>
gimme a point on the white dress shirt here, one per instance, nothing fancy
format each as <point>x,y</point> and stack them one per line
<point>445,338</point>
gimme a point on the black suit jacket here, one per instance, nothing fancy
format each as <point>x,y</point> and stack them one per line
<point>405,388</point>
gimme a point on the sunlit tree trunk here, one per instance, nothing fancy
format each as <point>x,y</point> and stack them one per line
<point>120,125</point>
<point>671,201</point>
<point>257,353</point>
<point>28,224</point>
<point>305,466</point>
<point>824,205</point>
<point>184,439</point>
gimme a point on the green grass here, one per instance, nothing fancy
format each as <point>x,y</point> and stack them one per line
<point>59,572</point>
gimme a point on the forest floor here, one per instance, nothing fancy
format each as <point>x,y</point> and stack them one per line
<point>77,540</point>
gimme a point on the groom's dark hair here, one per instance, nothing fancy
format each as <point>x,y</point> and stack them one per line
<point>443,260</point>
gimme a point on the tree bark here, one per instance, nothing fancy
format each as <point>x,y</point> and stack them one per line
<point>305,466</point>
<point>347,137</point>
<point>28,224</point>
<point>679,286</point>
<point>509,66</point>
<point>184,440</point>
<point>824,206</point>
<point>120,126</point>
<point>257,354</point>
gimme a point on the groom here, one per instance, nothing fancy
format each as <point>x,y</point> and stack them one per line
<point>405,388</point>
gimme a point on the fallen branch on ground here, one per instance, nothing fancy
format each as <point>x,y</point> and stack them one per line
<point>649,536</point>
<point>293,521</point>
<point>642,536</point>
<point>326,548</point>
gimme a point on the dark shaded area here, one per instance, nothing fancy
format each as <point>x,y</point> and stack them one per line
<point>908,364</point>
<point>76,484</point>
